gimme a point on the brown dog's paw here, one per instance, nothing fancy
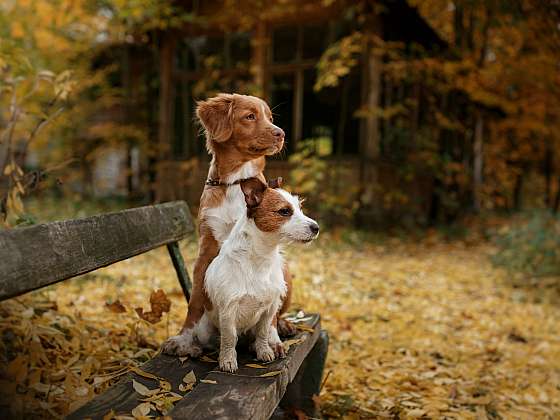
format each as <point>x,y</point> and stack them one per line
<point>279,350</point>
<point>286,328</point>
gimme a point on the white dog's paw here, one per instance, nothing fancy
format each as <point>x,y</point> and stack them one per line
<point>264,352</point>
<point>181,345</point>
<point>228,361</point>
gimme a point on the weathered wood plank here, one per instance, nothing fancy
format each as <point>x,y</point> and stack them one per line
<point>260,394</point>
<point>307,383</point>
<point>246,394</point>
<point>122,398</point>
<point>40,255</point>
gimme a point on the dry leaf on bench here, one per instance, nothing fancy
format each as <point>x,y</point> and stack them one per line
<point>143,389</point>
<point>142,410</point>
<point>255,366</point>
<point>269,374</point>
<point>190,378</point>
<point>208,381</point>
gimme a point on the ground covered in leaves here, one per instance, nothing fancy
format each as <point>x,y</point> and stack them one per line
<point>418,329</point>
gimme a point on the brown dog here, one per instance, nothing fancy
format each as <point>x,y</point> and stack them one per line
<point>239,134</point>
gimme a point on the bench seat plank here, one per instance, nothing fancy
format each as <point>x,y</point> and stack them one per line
<point>234,396</point>
<point>36,256</point>
<point>245,394</point>
<point>122,398</point>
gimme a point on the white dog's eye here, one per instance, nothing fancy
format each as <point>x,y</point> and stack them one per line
<point>251,117</point>
<point>285,211</point>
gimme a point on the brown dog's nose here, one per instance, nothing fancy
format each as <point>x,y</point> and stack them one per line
<point>278,132</point>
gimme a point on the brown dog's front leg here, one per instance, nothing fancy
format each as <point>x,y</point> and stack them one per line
<point>208,250</point>
<point>285,328</point>
<point>185,343</point>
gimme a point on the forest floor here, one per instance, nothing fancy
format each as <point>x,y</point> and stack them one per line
<point>419,328</point>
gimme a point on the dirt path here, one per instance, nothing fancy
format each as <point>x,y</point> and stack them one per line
<point>416,330</point>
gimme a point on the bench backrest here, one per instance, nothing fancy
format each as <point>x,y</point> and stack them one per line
<point>36,256</point>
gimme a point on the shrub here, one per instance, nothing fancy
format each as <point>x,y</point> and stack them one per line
<point>323,182</point>
<point>531,246</point>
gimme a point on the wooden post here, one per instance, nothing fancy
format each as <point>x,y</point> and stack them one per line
<point>307,383</point>
<point>179,265</point>
<point>297,121</point>
<point>166,100</point>
<point>477,164</point>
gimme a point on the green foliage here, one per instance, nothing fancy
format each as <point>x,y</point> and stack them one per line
<point>338,60</point>
<point>326,187</point>
<point>531,247</point>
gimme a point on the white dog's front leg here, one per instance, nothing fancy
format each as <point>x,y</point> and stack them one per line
<point>228,341</point>
<point>262,334</point>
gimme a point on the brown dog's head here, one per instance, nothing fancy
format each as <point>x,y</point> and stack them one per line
<point>241,122</point>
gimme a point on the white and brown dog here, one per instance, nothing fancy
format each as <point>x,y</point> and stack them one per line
<point>245,282</point>
<point>239,134</point>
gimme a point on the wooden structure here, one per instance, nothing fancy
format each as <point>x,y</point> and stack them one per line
<point>273,52</point>
<point>62,250</point>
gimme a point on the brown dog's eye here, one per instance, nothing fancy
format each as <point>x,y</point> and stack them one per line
<point>285,211</point>
<point>251,117</point>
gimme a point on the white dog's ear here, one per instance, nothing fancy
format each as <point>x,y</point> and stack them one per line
<point>216,116</point>
<point>253,190</point>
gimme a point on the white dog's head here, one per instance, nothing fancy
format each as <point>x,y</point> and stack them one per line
<point>275,210</point>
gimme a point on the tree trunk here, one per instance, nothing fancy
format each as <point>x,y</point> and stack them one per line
<point>369,199</point>
<point>166,100</point>
<point>477,161</point>
<point>548,168</point>
<point>518,192</point>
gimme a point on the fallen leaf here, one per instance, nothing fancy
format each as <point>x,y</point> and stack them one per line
<point>208,359</point>
<point>140,372</point>
<point>189,378</point>
<point>269,374</point>
<point>142,410</point>
<point>143,389</point>
<point>289,343</point>
<point>159,304</point>
<point>208,381</point>
<point>116,307</point>
<point>185,388</point>
<point>255,366</point>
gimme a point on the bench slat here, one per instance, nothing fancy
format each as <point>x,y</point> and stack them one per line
<point>36,256</point>
<point>240,395</point>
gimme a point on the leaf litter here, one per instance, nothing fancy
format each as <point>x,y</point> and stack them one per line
<point>417,329</point>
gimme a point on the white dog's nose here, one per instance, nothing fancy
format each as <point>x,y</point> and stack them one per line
<point>314,228</point>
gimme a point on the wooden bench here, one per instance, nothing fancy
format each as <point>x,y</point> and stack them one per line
<point>38,256</point>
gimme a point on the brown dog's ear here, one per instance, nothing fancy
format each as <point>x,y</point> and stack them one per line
<point>276,183</point>
<point>253,190</point>
<point>215,115</point>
